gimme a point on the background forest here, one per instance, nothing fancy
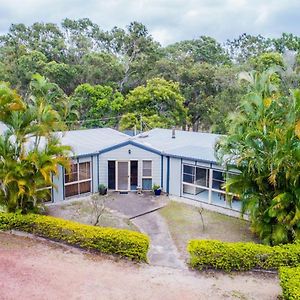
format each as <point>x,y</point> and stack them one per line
<point>124,78</point>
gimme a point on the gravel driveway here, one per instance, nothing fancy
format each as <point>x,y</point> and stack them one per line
<point>31,269</point>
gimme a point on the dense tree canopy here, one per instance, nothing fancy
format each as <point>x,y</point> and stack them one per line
<point>80,52</point>
<point>97,106</point>
<point>158,104</point>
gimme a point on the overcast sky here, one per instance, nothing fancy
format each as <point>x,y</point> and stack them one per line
<point>167,20</point>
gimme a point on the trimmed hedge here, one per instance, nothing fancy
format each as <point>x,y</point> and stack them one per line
<point>210,254</point>
<point>290,282</point>
<point>126,243</point>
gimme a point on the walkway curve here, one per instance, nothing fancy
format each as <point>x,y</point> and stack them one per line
<point>163,251</point>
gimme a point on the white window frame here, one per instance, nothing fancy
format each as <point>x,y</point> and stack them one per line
<point>194,177</point>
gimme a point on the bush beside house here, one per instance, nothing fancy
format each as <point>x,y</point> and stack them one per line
<point>125,243</point>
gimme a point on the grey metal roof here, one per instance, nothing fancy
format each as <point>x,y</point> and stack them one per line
<point>186,144</point>
<point>89,141</point>
<point>193,145</point>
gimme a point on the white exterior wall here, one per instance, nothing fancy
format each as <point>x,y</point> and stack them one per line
<point>175,176</point>
<point>122,154</point>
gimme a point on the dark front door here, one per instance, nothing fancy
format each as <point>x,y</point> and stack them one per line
<point>133,174</point>
<point>112,174</point>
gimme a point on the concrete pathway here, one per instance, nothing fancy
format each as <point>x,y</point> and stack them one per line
<point>163,251</point>
<point>132,204</point>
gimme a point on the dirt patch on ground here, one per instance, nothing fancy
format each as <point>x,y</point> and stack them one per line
<point>31,269</point>
<point>83,211</point>
<point>185,223</point>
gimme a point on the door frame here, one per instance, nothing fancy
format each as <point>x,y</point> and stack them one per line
<point>128,178</point>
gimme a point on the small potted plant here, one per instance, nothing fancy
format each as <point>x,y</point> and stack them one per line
<point>102,189</point>
<point>156,189</point>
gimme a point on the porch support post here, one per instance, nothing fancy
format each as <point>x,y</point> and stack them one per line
<point>210,186</point>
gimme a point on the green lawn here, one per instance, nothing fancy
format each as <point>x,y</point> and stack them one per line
<point>185,223</point>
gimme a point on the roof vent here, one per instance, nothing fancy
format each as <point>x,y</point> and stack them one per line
<point>173,133</point>
<point>143,135</point>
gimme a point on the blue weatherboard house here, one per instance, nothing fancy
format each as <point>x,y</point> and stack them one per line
<point>182,163</point>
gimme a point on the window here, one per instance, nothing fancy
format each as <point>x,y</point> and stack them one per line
<point>147,168</point>
<point>84,171</point>
<point>195,175</point>
<point>147,184</point>
<point>195,179</point>
<point>188,174</point>
<point>78,181</point>
<point>218,180</point>
<point>147,175</point>
<point>202,177</point>
<point>73,175</point>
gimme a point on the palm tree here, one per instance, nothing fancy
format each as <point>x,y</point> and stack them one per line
<point>264,145</point>
<point>30,151</point>
<point>41,90</point>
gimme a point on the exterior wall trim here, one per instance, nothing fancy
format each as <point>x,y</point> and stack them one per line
<point>190,158</point>
<point>120,145</point>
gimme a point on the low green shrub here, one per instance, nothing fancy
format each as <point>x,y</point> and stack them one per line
<point>290,282</point>
<point>210,254</point>
<point>126,243</point>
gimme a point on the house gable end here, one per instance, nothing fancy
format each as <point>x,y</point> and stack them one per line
<point>123,144</point>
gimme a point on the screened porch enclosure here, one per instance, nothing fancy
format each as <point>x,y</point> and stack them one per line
<point>215,200</point>
<point>207,185</point>
<point>78,180</point>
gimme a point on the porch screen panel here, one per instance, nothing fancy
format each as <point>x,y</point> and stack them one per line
<point>202,177</point>
<point>188,174</point>
<point>84,171</point>
<point>218,180</point>
<point>195,179</point>
<point>84,187</point>
<point>71,190</point>
<point>123,176</point>
<point>78,180</point>
<point>73,174</point>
